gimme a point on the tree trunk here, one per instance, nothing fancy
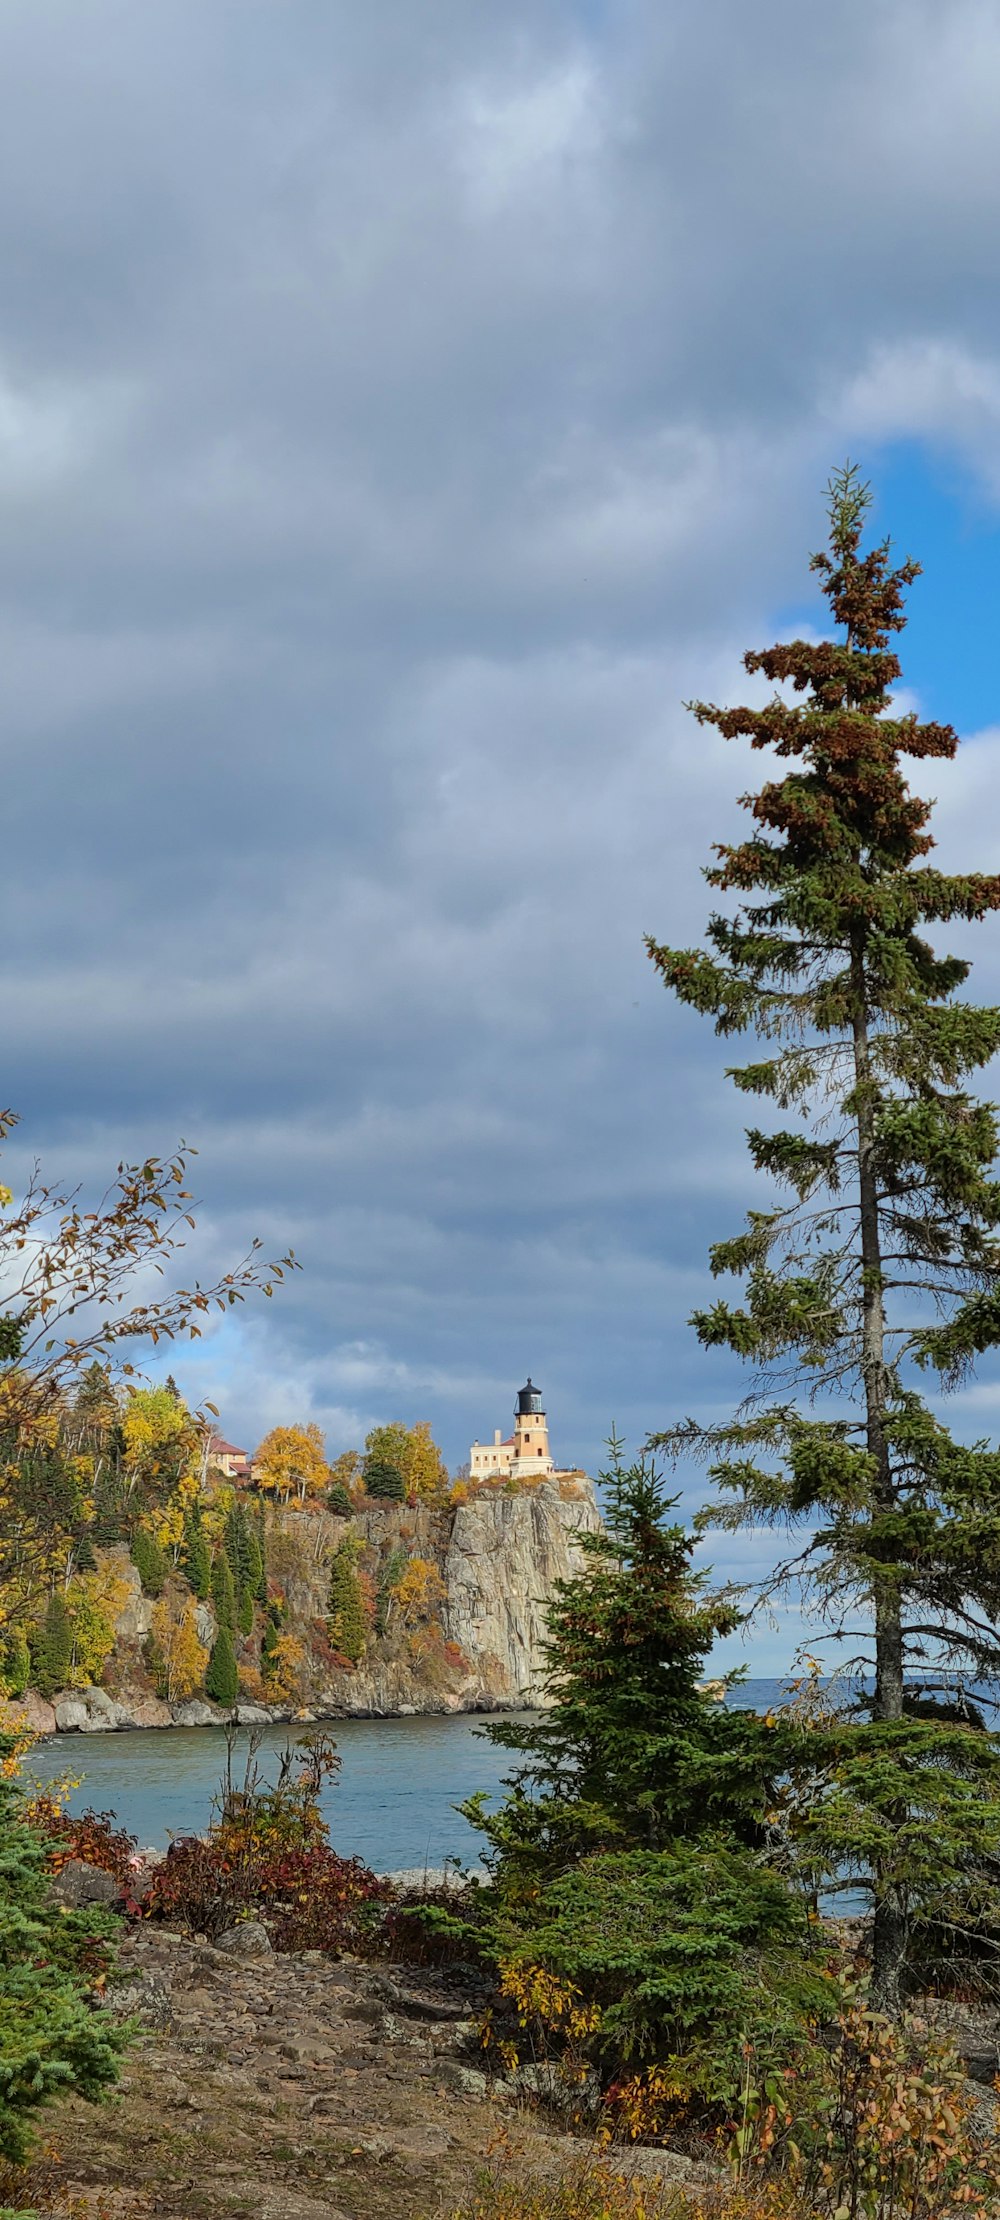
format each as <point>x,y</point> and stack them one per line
<point>889,1942</point>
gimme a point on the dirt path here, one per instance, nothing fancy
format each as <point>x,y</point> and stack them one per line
<point>282,2088</point>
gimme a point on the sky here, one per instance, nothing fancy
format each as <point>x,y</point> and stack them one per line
<point>403,412</point>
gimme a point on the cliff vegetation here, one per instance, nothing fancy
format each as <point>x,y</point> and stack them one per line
<point>165,1591</point>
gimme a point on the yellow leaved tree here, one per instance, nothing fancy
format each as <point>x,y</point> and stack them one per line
<point>179,1658</point>
<point>291,1462</point>
<point>414,1453</point>
<point>419,1591</point>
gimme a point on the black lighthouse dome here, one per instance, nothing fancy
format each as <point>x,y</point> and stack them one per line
<point>529,1400</point>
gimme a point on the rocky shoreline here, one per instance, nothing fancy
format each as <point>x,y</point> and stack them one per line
<point>94,1711</point>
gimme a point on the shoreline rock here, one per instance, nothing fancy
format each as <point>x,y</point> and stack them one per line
<point>92,1711</point>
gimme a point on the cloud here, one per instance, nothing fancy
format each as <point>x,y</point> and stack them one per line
<point>399,421</point>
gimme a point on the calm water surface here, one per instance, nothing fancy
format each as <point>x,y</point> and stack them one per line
<point>393,1803</point>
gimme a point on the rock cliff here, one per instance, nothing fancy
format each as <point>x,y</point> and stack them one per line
<point>494,1561</point>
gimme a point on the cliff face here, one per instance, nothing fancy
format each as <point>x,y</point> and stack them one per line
<point>504,1556</point>
<point>477,1646</point>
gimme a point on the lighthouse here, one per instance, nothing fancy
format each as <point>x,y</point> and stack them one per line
<point>531,1435</point>
<point>525,1454</point>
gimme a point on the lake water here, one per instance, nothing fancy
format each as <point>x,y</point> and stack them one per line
<point>393,1803</point>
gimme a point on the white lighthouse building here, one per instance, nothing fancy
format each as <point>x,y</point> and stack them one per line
<point>525,1454</point>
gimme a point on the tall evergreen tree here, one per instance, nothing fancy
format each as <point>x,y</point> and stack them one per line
<point>150,1561</point>
<point>383,1479</point>
<point>348,1627</point>
<point>221,1678</point>
<point>196,1556</point>
<point>223,1592</point>
<point>51,1645</point>
<point>632,1751</point>
<point>883,1263</point>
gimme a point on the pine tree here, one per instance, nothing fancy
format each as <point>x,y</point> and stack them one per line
<point>51,1645</point>
<point>149,1561</point>
<point>385,1480</point>
<point>108,1522</point>
<point>884,1263</point>
<point>51,2039</point>
<point>253,1565</point>
<point>196,1557</point>
<point>348,1629</point>
<point>631,1749</point>
<point>244,1611</point>
<point>85,1559</point>
<point>223,1592</point>
<point>270,1638</point>
<point>339,1502</point>
<point>221,1679</point>
<point>235,1542</point>
<point>15,1662</point>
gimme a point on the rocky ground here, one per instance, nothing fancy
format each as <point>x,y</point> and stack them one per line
<point>296,2087</point>
<point>291,2088</point>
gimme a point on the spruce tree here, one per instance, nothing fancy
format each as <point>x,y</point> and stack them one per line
<point>15,1662</point>
<point>196,1556</point>
<point>270,1638</point>
<point>51,2039</point>
<point>107,1525</point>
<point>254,1562</point>
<point>51,1645</point>
<point>149,1561</point>
<point>348,1628</point>
<point>632,1751</point>
<point>339,1502</point>
<point>221,1679</point>
<point>883,1262</point>
<point>223,1592</point>
<point>385,1480</point>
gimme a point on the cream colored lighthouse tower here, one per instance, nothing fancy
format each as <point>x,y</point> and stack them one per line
<point>531,1436</point>
<point>525,1453</point>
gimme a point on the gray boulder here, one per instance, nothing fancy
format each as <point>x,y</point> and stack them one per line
<point>198,1714</point>
<point>249,1940</point>
<point>87,1711</point>
<point>139,1995</point>
<point>80,1883</point>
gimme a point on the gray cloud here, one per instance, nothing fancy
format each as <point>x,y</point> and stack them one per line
<point>402,411</point>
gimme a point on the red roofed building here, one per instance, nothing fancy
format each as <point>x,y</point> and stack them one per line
<point>227,1459</point>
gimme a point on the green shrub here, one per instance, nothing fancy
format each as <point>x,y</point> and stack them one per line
<point>221,1678</point>
<point>686,1956</point>
<point>51,2041</point>
<point>339,1502</point>
<point>150,1562</point>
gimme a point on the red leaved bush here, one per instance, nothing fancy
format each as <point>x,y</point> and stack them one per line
<point>90,1835</point>
<point>308,1897</point>
<point>268,1858</point>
